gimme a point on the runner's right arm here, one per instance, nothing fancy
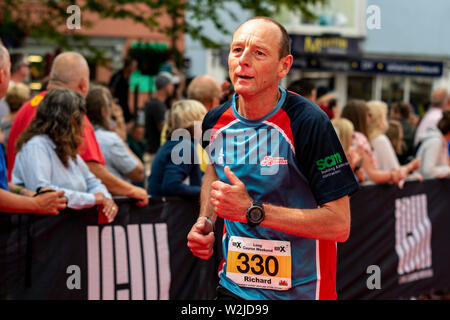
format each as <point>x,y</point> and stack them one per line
<point>201,236</point>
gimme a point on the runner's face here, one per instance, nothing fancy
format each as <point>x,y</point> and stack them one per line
<point>254,63</point>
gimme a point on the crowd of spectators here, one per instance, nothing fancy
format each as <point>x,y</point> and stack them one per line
<point>388,144</point>
<point>78,144</point>
<point>113,152</point>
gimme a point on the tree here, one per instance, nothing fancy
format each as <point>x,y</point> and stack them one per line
<point>43,19</point>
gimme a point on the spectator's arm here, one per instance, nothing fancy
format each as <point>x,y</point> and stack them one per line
<point>125,161</point>
<point>173,181</point>
<point>430,156</point>
<point>46,203</point>
<point>22,191</point>
<point>137,174</point>
<point>117,186</point>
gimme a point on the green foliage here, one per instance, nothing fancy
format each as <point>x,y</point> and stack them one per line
<point>19,19</point>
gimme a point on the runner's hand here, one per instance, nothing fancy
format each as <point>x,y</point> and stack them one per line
<point>200,241</point>
<point>230,201</point>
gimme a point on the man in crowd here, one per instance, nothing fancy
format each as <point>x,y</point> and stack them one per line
<point>119,86</point>
<point>20,69</point>
<point>283,210</point>
<point>71,71</point>
<point>433,149</point>
<point>155,110</point>
<point>22,200</point>
<point>439,102</point>
<point>205,89</point>
<point>305,88</point>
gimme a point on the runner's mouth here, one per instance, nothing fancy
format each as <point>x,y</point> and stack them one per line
<point>245,77</point>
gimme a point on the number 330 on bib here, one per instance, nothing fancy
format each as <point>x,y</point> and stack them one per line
<point>257,263</point>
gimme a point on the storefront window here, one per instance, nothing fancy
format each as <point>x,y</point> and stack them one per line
<point>392,89</point>
<point>359,87</point>
<point>420,94</point>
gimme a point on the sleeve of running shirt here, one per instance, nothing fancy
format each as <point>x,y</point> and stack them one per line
<point>210,120</point>
<point>320,156</point>
<point>90,150</point>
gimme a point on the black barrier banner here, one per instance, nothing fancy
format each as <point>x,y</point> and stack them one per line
<point>399,242</point>
<point>398,248</point>
<point>142,255</point>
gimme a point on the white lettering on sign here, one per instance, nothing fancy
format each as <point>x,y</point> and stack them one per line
<point>413,237</point>
<point>128,264</point>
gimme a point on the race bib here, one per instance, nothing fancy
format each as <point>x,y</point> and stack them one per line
<point>257,263</point>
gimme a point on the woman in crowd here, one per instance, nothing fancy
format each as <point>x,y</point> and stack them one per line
<point>345,130</point>
<point>382,147</point>
<point>48,154</point>
<point>16,95</point>
<point>395,136</point>
<point>402,112</point>
<point>176,160</point>
<point>358,113</point>
<point>120,160</point>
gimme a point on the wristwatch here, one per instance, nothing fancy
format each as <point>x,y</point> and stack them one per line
<point>255,214</point>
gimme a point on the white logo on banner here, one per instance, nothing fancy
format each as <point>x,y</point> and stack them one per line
<point>128,264</point>
<point>413,238</point>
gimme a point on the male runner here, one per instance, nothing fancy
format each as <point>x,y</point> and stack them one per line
<point>279,178</point>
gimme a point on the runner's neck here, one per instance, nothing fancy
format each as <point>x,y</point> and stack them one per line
<point>254,107</point>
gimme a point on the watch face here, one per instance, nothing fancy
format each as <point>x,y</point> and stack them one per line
<point>255,215</point>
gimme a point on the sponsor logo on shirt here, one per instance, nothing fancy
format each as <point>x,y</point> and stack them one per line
<point>269,161</point>
<point>329,161</point>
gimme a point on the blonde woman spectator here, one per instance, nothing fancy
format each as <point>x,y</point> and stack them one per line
<point>345,131</point>
<point>382,147</point>
<point>175,170</point>
<point>359,114</point>
<point>16,95</point>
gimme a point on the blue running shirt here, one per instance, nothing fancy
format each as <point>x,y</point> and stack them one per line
<point>292,158</point>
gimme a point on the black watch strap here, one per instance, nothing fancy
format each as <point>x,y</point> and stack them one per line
<point>257,208</point>
<point>258,204</point>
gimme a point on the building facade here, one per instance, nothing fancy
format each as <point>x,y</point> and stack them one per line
<point>365,49</point>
